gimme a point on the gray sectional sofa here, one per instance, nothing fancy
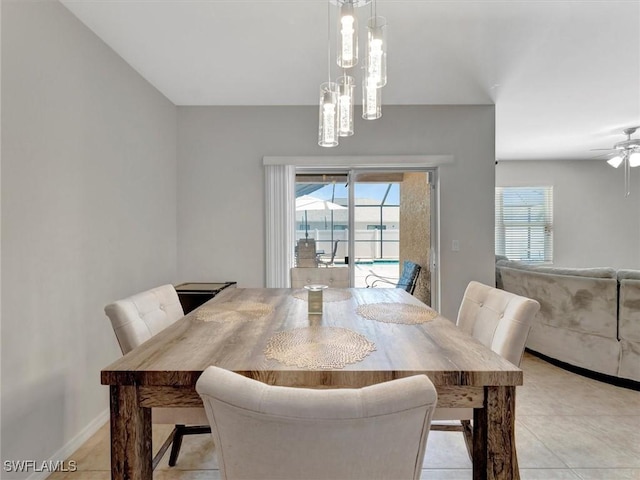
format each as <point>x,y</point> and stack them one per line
<point>589,317</point>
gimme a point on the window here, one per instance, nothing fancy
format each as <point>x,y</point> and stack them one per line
<point>524,223</point>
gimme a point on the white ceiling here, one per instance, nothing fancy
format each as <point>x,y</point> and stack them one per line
<point>564,75</point>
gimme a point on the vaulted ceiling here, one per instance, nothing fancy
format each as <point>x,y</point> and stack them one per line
<point>564,75</point>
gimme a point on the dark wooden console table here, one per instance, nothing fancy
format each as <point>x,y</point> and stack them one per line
<point>194,294</point>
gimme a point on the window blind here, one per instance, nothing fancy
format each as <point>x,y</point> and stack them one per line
<point>524,223</point>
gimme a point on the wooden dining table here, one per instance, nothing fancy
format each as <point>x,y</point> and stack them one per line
<point>163,371</point>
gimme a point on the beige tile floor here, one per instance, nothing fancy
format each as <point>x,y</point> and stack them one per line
<point>567,427</point>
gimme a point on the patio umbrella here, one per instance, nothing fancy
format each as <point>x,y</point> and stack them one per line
<point>307,202</point>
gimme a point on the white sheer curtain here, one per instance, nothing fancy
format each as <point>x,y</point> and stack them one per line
<point>280,184</point>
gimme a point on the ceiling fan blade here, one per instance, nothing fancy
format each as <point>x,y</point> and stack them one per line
<point>620,150</point>
<point>601,155</point>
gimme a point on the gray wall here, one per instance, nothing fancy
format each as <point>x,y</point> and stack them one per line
<point>595,225</point>
<point>221,183</point>
<point>88,216</point>
<point>89,206</point>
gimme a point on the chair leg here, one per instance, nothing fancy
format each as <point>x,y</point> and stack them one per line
<point>163,450</point>
<point>177,443</point>
<point>467,431</point>
<point>179,432</point>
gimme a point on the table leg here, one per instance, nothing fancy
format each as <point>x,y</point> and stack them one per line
<point>130,436</point>
<point>494,446</point>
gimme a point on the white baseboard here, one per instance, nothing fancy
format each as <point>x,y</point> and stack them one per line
<point>73,444</point>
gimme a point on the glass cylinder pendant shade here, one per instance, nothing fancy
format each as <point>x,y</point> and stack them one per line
<point>346,100</point>
<point>377,50</point>
<point>371,99</point>
<point>347,36</point>
<point>328,121</point>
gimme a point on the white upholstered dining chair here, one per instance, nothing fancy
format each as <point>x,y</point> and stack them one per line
<point>499,320</point>
<point>335,277</point>
<point>265,431</point>
<point>135,320</point>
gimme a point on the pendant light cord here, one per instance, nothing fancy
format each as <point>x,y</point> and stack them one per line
<point>328,41</point>
<point>374,13</point>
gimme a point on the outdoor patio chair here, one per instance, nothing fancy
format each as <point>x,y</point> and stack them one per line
<point>306,253</point>
<point>407,280</point>
<point>329,262</point>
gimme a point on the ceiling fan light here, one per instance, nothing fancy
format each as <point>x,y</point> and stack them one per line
<point>634,159</point>
<point>615,161</point>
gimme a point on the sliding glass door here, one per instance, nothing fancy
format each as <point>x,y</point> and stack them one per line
<point>392,224</point>
<point>370,221</point>
<point>376,220</point>
<point>322,214</point>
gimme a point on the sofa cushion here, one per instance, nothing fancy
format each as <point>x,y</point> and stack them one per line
<point>575,302</point>
<point>597,272</point>
<point>629,310</point>
<point>593,352</point>
<point>629,360</point>
<point>628,274</point>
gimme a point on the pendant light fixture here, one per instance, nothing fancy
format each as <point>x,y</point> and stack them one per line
<point>346,86</point>
<point>328,131</point>
<point>337,100</point>
<point>347,36</point>
<point>371,99</point>
<point>329,95</point>
<point>377,50</point>
<point>375,71</point>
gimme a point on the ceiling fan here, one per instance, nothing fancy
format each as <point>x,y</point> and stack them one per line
<point>626,153</point>
<point>627,150</point>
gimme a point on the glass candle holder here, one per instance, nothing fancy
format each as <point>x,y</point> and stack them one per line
<point>314,299</point>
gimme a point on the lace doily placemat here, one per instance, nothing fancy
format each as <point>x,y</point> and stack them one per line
<point>318,347</point>
<point>328,295</point>
<point>224,312</point>
<point>396,313</point>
